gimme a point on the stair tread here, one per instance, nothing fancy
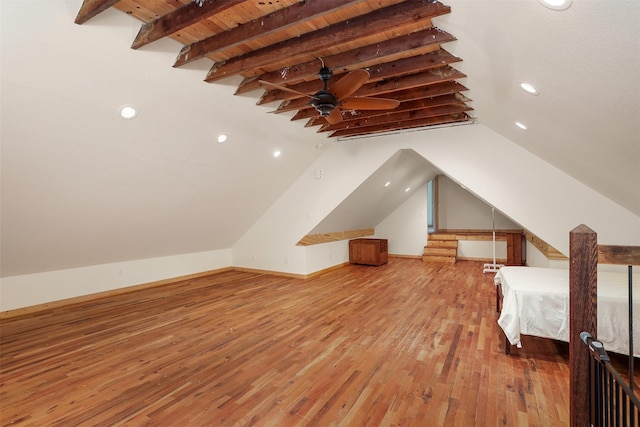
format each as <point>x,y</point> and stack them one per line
<point>440,251</point>
<point>434,258</point>
<point>443,236</point>
<point>442,243</point>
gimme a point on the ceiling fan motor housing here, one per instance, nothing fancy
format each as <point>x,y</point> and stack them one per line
<point>324,102</point>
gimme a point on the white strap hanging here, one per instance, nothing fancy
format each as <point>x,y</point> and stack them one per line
<point>493,268</point>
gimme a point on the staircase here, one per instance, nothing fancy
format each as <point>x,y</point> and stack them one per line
<point>441,248</point>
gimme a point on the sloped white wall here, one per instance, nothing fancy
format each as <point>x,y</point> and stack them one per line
<point>535,258</point>
<point>270,243</point>
<point>532,192</point>
<point>459,209</point>
<point>33,289</point>
<point>538,196</point>
<point>525,188</point>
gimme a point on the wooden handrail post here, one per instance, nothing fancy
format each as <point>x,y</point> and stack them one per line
<point>583,294</point>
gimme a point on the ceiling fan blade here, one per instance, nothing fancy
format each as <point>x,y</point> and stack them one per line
<point>355,103</point>
<point>349,83</point>
<point>334,117</point>
<point>286,89</point>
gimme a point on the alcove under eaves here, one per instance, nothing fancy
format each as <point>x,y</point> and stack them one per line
<point>396,181</point>
<point>374,199</point>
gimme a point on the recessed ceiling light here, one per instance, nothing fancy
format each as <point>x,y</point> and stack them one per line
<point>521,126</point>
<point>556,4</point>
<point>406,190</point>
<point>528,87</point>
<point>222,138</point>
<point>276,153</point>
<point>128,112</point>
<point>388,183</point>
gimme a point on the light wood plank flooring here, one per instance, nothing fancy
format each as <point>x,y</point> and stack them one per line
<point>404,344</point>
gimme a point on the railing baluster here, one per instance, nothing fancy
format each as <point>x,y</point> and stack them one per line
<point>592,388</point>
<point>613,402</point>
<point>605,397</point>
<point>616,403</point>
<point>631,347</point>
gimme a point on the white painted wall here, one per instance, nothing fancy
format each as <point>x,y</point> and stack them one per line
<point>326,255</point>
<point>534,193</point>
<point>307,201</point>
<point>459,209</point>
<point>476,249</point>
<point>33,289</point>
<point>540,197</point>
<point>535,258</point>
<point>406,227</point>
<point>537,195</point>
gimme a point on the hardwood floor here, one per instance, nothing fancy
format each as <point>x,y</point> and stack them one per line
<point>401,344</point>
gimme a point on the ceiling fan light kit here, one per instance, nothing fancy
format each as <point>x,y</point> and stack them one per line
<point>323,101</point>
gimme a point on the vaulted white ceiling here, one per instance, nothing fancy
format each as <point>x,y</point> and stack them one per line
<point>81,186</point>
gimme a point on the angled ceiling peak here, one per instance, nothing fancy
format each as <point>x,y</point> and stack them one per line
<point>280,47</point>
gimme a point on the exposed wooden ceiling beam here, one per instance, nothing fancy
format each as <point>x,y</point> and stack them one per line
<point>276,21</point>
<point>180,18</point>
<point>416,104</point>
<point>429,91</point>
<point>316,120</point>
<point>410,124</point>
<point>418,80</point>
<point>334,35</point>
<point>394,40</point>
<point>378,72</point>
<point>428,77</point>
<point>91,8</point>
<point>396,117</point>
<point>379,52</point>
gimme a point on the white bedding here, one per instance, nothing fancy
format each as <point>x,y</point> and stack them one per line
<point>536,302</point>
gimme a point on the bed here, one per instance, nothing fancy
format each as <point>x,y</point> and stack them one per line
<point>536,302</point>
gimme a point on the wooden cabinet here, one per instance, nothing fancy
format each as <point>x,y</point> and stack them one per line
<point>368,251</point>
<point>515,249</point>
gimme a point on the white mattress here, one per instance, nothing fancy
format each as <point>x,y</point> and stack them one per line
<point>536,302</point>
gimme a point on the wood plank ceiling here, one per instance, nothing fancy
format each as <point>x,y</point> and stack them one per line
<point>285,42</point>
